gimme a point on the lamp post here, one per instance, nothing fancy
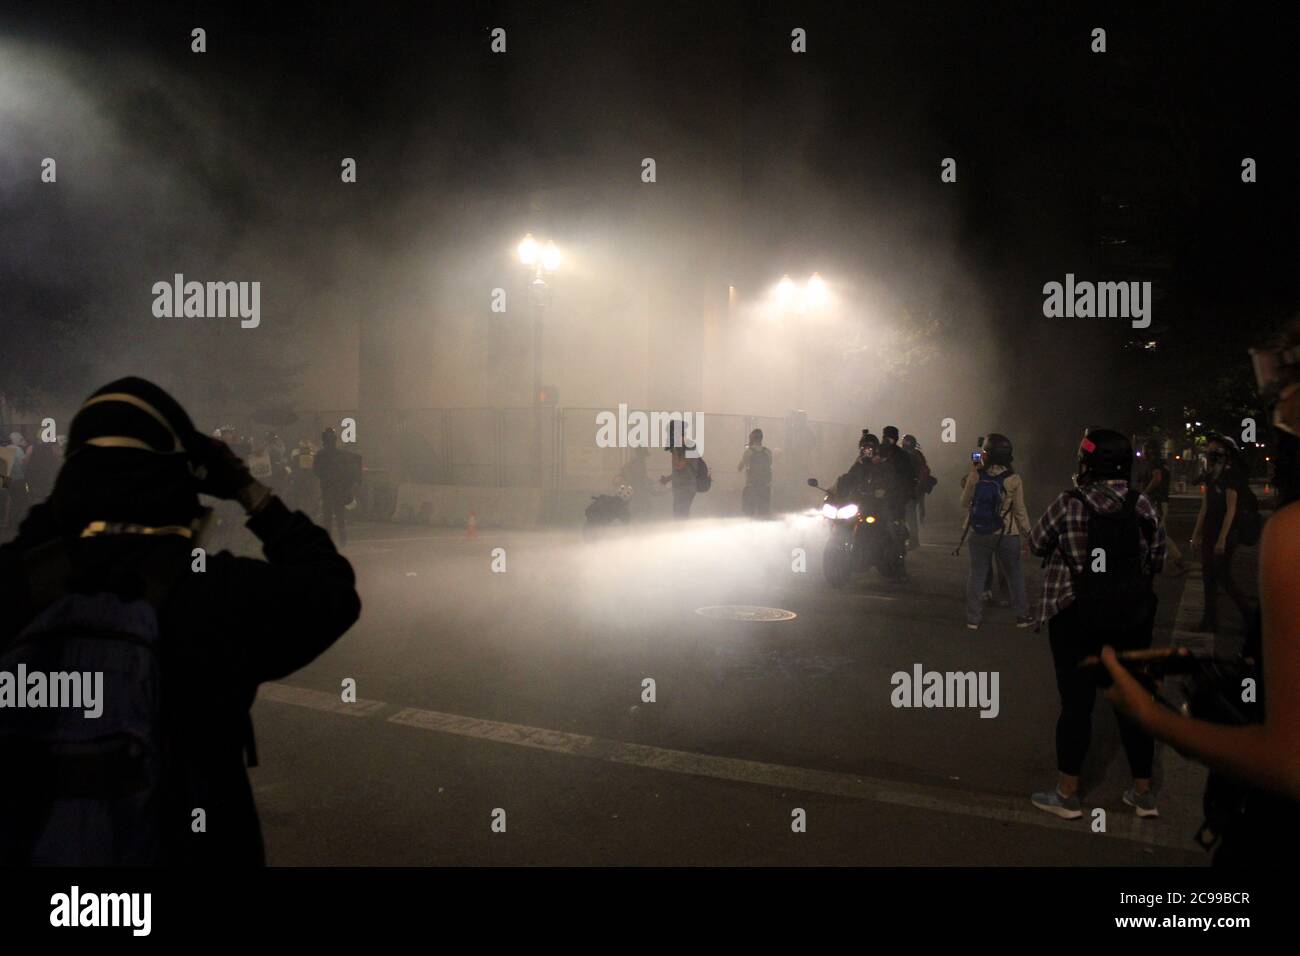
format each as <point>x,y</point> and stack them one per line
<point>799,298</point>
<point>541,261</point>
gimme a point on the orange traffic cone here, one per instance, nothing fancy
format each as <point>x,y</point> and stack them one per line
<point>471,528</point>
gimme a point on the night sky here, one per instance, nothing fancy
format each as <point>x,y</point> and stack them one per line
<point>1122,165</point>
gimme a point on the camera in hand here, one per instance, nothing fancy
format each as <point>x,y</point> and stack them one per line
<point>1214,685</point>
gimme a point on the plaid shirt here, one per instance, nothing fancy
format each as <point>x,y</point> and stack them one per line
<point>1066,521</point>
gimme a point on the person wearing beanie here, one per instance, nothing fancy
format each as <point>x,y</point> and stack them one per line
<point>125,520</point>
<point>1104,544</point>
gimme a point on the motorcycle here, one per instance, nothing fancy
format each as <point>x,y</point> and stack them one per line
<point>606,511</point>
<point>863,535</point>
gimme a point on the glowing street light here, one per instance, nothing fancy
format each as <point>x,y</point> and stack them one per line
<point>815,292</point>
<point>541,260</point>
<point>528,250</point>
<point>786,290</point>
<point>801,298</point>
<point>551,257</point>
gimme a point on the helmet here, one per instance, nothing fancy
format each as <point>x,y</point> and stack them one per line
<point>998,449</point>
<point>1105,455</point>
<point>890,433</point>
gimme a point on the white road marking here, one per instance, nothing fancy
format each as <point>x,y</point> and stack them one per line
<point>318,700</point>
<point>917,796</point>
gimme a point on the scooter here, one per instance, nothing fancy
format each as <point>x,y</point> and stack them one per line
<point>863,535</point>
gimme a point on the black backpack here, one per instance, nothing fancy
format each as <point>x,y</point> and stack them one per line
<point>1119,598</point>
<point>703,480</point>
<point>90,788</point>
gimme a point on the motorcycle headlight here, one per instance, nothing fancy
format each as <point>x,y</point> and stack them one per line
<point>848,511</point>
<point>828,510</point>
<point>871,519</point>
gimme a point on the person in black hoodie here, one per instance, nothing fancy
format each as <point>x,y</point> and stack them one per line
<point>126,500</point>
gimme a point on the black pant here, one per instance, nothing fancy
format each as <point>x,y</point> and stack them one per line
<point>1071,642</point>
<point>332,509</point>
<point>682,498</point>
<point>18,502</point>
<point>1216,569</point>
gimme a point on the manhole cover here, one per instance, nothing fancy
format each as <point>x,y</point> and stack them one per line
<point>746,612</point>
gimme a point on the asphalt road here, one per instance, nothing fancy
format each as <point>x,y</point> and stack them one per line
<point>500,715</point>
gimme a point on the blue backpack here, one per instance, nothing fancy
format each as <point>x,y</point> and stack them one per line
<point>85,782</point>
<point>986,513</point>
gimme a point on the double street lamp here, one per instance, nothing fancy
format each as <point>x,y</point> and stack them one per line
<point>800,297</point>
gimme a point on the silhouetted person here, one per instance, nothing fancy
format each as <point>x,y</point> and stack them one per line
<point>110,556</point>
<point>336,471</point>
<point>19,499</point>
<point>42,467</point>
<point>687,468</point>
<point>756,463</point>
<point>1225,485</point>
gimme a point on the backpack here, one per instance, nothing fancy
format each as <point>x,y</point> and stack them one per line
<point>703,480</point>
<point>760,467</point>
<point>90,788</point>
<point>1120,597</point>
<point>1247,521</point>
<point>925,481</point>
<point>986,514</point>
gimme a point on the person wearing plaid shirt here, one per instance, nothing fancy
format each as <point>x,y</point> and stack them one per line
<point>1066,520</point>
<point>1061,536</point>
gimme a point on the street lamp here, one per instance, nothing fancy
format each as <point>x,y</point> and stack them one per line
<point>528,250</point>
<point>786,292</point>
<point>815,292</point>
<point>543,261</point>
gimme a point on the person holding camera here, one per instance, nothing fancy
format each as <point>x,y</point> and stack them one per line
<point>997,524</point>
<point>1260,758</point>
<point>1104,544</point>
<point>110,573</point>
<point>756,463</point>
